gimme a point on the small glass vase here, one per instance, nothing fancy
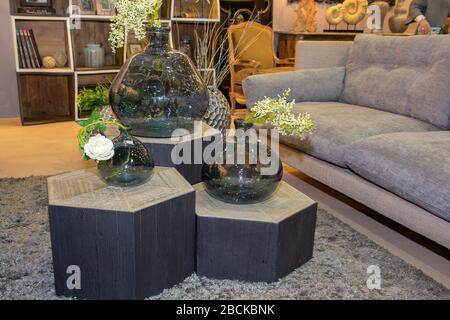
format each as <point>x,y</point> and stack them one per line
<point>243,183</point>
<point>131,164</point>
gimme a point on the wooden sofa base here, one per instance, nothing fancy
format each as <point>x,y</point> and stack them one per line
<point>369,194</point>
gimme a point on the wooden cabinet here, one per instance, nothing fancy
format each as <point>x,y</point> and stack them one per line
<point>45,98</point>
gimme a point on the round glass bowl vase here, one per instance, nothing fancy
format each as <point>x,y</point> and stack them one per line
<point>242,173</point>
<point>159,90</point>
<point>131,164</point>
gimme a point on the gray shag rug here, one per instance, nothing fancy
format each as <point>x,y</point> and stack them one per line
<point>337,271</point>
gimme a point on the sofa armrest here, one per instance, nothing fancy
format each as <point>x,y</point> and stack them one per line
<point>306,85</point>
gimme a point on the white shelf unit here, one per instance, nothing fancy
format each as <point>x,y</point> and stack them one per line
<point>15,23</point>
<point>92,17</point>
<point>68,21</point>
<point>79,72</point>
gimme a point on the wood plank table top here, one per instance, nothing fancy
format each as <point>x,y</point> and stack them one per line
<point>85,189</point>
<point>285,202</point>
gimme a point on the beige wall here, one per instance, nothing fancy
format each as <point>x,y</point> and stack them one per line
<point>284,17</point>
<point>9,104</point>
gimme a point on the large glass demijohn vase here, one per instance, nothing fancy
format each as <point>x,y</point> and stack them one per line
<point>158,90</point>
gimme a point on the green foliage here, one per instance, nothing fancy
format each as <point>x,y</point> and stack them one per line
<point>91,99</point>
<point>153,19</point>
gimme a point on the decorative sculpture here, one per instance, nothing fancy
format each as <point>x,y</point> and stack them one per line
<point>300,22</point>
<point>335,15</point>
<point>49,62</point>
<point>354,11</point>
<point>397,23</point>
<point>306,16</point>
<point>351,11</point>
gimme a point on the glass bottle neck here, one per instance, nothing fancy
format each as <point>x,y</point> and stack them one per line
<point>158,41</point>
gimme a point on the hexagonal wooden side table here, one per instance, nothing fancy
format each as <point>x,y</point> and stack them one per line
<point>162,148</point>
<point>114,243</point>
<point>256,242</point>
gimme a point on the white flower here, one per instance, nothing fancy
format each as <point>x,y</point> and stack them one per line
<point>99,148</point>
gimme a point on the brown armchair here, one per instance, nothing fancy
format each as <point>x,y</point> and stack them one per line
<point>251,51</point>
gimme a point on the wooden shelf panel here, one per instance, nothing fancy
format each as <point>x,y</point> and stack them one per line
<point>47,71</point>
<point>59,5</point>
<point>94,32</point>
<point>46,97</point>
<point>195,20</point>
<point>94,70</point>
<point>195,12</point>
<point>90,81</point>
<point>92,17</point>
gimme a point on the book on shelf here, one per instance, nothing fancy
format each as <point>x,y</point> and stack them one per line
<point>21,53</point>
<point>36,55</point>
<point>25,55</point>
<point>29,56</point>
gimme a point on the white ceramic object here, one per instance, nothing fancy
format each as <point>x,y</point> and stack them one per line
<point>94,56</point>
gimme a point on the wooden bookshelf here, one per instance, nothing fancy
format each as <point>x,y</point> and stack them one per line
<point>51,34</point>
<point>49,95</point>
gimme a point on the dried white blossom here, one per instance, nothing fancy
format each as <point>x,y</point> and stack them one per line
<point>131,16</point>
<point>279,113</point>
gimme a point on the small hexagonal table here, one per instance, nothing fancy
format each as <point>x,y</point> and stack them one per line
<point>256,242</point>
<point>120,243</point>
<point>162,149</point>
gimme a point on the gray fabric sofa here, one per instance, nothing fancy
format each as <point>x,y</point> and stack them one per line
<point>382,115</point>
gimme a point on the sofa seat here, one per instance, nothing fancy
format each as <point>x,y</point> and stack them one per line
<point>414,166</point>
<point>338,125</point>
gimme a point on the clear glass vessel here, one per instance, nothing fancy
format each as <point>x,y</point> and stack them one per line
<point>131,164</point>
<point>249,181</point>
<point>158,90</point>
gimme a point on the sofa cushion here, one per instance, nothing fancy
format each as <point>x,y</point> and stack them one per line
<point>316,54</point>
<point>404,75</point>
<point>415,166</point>
<point>339,124</point>
<point>306,85</point>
